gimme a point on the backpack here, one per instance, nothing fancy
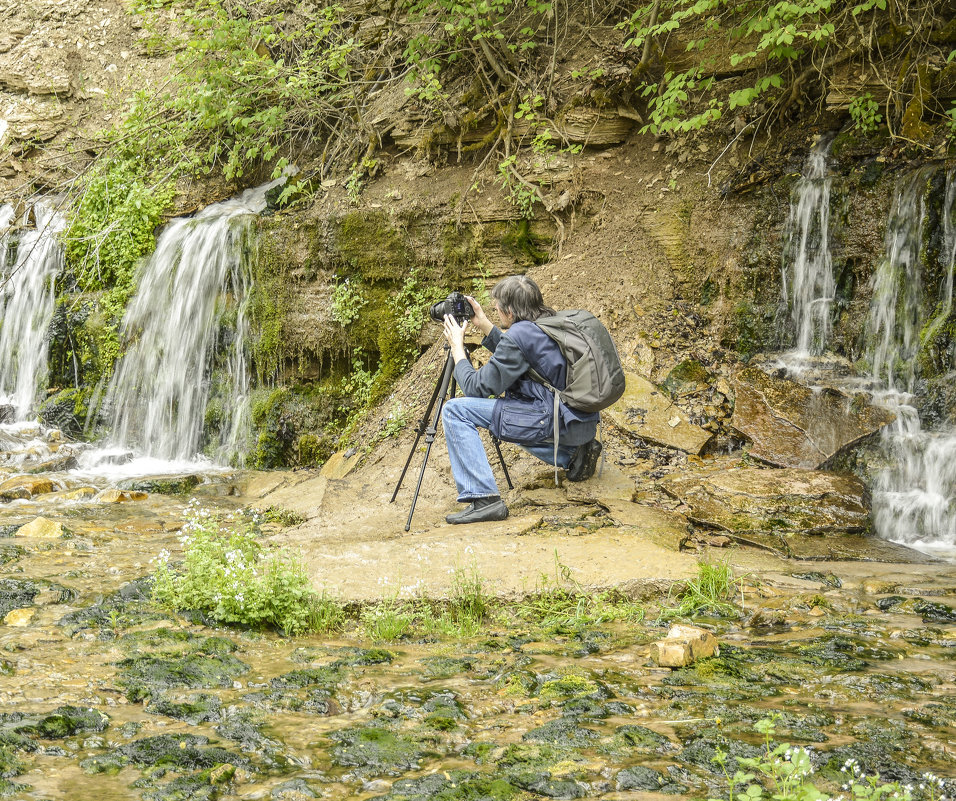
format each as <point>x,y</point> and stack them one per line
<point>595,378</point>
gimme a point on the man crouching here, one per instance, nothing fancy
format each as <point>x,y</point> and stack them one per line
<point>525,413</point>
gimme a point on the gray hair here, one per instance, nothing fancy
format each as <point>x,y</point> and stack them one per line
<point>520,297</point>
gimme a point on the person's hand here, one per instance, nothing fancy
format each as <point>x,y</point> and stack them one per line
<point>455,334</point>
<point>480,320</point>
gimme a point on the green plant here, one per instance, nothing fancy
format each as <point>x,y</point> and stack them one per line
<point>865,113</point>
<point>387,620</point>
<point>326,614</point>
<point>348,300</point>
<point>468,606</point>
<point>226,574</point>
<point>711,592</point>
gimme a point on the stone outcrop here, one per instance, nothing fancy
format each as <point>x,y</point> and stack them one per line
<point>783,500</point>
<point>684,645</point>
<point>42,528</point>
<point>791,425</point>
<point>647,412</point>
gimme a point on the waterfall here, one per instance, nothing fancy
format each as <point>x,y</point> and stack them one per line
<point>190,308</point>
<point>807,267</point>
<point>26,304</point>
<point>914,500</point>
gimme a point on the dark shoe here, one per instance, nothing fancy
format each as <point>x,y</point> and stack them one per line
<point>480,510</point>
<point>584,461</point>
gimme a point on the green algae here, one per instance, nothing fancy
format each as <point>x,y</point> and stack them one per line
<point>453,785</point>
<point>147,675</point>
<point>376,751</point>
<point>64,721</point>
<point>563,733</point>
<point>199,708</point>
<point>327,677</point>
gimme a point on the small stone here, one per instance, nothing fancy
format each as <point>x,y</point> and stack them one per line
<point>671,653</point>
<point>19,617</point>
<point>121,496</point>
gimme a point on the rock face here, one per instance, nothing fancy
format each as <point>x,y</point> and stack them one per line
<point>790,425</point>
<point>756,499</point>
<point>648,412</point>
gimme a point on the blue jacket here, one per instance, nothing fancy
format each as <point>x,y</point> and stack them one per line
<point>525,414</point>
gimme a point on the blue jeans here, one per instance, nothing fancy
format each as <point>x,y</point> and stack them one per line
<point>461,418</point>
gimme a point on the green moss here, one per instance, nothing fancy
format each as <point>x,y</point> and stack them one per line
<point>525,243</point>
<point>569,686</point>
<point>372,248</point>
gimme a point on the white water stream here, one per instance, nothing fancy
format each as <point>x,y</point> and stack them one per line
<point>807,267</point>
<point>26,305</point>
<point>914,500</point>
<point>191,302</point>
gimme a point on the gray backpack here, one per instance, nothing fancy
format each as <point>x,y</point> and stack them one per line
<point>595,378</point>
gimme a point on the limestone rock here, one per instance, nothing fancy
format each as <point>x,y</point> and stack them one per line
<point>42,528</point>
<point>35,485</point>
<point>78,494</point>
<point>19,617</point>
<point>120,496</point>
<point>39,71</point>
<point>341,464</point>
<point>15,494</point>
<point>647,412</point>
<point>790,425</point>
<point>683,645</point>
<point>768,499</point>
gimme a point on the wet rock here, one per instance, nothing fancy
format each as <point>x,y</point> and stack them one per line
<point>293,790</point>
<point>199,708</point>
<point>147,675</point>
<point>640,778</point>
<point>572,685</point>
<point>790,425</point>
<point>375,750</point>
<point>15,494</point>
<point>131,605</point>
<point>120,496</point>
<point>35,485</point>
<point>683,645</point>
<point>363,656</point>
<point>544,784</point>
<point>66,461</point>
<point>183,752</point>
<point>444,667</point>
<point>242,726</point>
<point>563,733</point>
<point>687,378</point>
<point>19,617</point>
<point>78,494</point>
<point>8,413</point>
<point>162,485</point>
<point>647,412</point>
<point>326,677</point>
<point>341,464</point>
<point>642,740</point>
<point>827,579</point>
<point>64,721</point>
<point>43,528</point>
<point>747,499</point>
<point>451,785</point>
<point>700,753</point>
<point>16,594</point>
<point>931,611</point>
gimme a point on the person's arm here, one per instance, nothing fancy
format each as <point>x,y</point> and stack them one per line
<point>506,366</point>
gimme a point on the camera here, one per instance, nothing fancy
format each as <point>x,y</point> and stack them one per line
<point>456,304</point>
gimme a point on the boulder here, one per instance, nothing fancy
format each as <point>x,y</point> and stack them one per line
<point>42,528</point>
<point>78,494</point>
<point>791,425</point>
<point>682,645</point>
<point>341,464</point>
<point>35,485</point>
<point>778,500</point>
<point>648,412</point>
<point>19,617</point>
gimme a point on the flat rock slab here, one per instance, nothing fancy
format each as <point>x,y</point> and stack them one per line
<point>790,425</point>
<point>648,412</point>
<point>758,499</point>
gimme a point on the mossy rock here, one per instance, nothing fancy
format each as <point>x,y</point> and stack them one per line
<point>700,753</point>
<point>545,784</point>
<point>641,740</point>
<point>639,778</point>
<point>64,721</point>
<point>200,708</point>
<point>373,247</point>
<point>326,677</point>
<point>375,750</point>
<point>686,378</point>
<point>446,667</point>
<point>183,752</point>
<point>131,605</point>
<point>162,485</point>
<point>16,594</point>
<point>148,675</point>
<point>563,733</point>
<point>364,656</point>
<point>66,410</point>
<point>453,785</point>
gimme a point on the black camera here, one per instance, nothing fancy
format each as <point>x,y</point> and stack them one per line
<point>456,304</point>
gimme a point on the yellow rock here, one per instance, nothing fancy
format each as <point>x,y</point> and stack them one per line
<point>341,464</point>
<point>19,617</point>
<point>35,485</point>
<point>42,528</point>
<point>78,494</point>
<point>121,496</point>
<point>683,645</point>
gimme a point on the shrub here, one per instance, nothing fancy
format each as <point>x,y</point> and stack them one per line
<point>228,575</point>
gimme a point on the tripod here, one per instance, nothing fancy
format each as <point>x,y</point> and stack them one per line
<point>429,427</point>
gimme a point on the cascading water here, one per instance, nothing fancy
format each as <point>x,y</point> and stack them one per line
<point>808,282</point>
<point>914,500</point>
<point>26,306</point>
<point>175,324</point>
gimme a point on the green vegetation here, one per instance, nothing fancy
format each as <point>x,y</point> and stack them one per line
<point>785,52</point>
<point>227,575</point>
<point>712,592</point>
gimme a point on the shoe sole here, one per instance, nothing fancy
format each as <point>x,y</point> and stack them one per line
<point>589,465</point>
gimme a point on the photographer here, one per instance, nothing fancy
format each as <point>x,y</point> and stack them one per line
<point>525,415</point>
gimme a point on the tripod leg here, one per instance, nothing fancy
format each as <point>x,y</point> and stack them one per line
<point>422,428</point>
<point>501,459</point>
<point>432,430</point>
